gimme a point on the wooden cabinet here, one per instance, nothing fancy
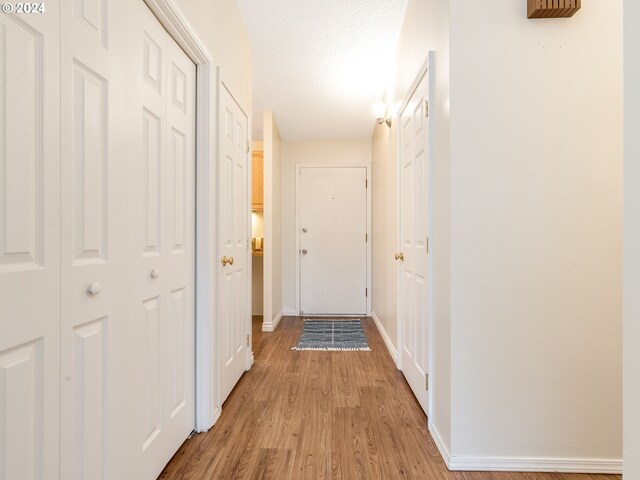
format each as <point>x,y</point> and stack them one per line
<point>257,182</point>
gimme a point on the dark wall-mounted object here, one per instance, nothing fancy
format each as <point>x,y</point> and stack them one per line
<point>552,8</point>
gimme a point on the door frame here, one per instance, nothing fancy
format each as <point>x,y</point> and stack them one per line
<point>422,72</point>
<point>208,85</point>
<point>299,166</point>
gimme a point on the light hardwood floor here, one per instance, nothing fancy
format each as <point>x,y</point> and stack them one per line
<point>322,415</point>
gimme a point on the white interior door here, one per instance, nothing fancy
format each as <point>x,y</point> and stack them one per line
<point>332,203</point>
<point>30,245</point>
<point>162,207</point>
<point>233,211</point>
<point>95,226</point>
<point>413,296</point>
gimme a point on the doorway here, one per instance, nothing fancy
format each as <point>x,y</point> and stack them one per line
<point>332,229</point>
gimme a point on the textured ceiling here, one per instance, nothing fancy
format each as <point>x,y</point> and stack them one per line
<point>321,65</point>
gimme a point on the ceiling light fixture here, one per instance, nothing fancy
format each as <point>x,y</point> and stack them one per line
<point>380,109</point>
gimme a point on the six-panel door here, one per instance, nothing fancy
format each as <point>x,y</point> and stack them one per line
<point>29,245</point>
<point>233,240</point>
<point>413,297</point>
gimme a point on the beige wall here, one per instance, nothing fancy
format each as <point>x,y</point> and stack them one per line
<point>272,221</point>
<point>384,235</point>
<point>355,152</point>
<point>219,26</point>
<point>536,294</point>
<point>425,28</point>
<point>632,242</point>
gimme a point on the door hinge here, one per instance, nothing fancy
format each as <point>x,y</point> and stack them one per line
<point>366,184</point>
<point>366,292</point>
<point>366,237</point>
<point>426,108</point>
<point>427,243</point>
<point>247,148</point>
<point>427,381</point>
<point>247,340</point>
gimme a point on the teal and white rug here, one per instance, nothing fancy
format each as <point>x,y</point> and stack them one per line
<point>327,334</point>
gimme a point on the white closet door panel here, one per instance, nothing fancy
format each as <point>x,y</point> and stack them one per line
<point>29,246</point>
<point>162,211</point>
<point>148,234</point>
<point>94,250</point>
<point>179,370</point>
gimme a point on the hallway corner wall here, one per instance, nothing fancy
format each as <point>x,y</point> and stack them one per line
<point>536,270</point>
<point>272,223</point>
<point>632,241</point>
<point>425,28</point>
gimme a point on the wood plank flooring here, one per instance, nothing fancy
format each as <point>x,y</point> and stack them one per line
<point>322,415</point>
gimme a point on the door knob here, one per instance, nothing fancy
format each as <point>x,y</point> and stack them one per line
<point>224,261</point>
<point>230,260</point>
<point>154,273</point>
<point>304,230</point>
<point>304,252</point>
<point>400,256</point>
<point>94,289</point>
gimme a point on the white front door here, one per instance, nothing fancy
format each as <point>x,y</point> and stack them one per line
<point>162,210</point>
<point>30,245</point>
<point>413,297</point>
<point>332,204</point>
<point>233,211</point>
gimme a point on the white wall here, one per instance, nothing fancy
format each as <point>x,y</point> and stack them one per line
<point>356,152</point>
<point>536,165</point>
<point>425,28</point>
<point>632,242</point>
<point>219,26</point>
<point>272,223</point>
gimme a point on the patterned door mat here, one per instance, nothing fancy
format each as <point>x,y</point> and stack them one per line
<point>327,334</point>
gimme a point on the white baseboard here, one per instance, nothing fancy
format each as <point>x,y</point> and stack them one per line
<point>385,337</point>
<point>442,447</point>
<point>289,312</point>
<point>512,464</point>
<point>271,326</point>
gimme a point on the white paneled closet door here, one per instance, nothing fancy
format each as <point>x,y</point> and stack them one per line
<point>29,245</point>
<point>94,180</point>
<point>233,239</point>
<point>162,207</point>
<point>413,298</point>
